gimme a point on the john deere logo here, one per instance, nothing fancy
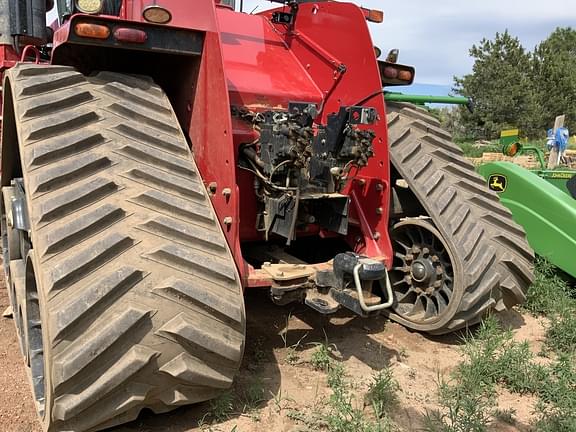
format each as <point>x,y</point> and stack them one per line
<point>497,183</point>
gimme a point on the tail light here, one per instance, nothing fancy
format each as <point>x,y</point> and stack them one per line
<point>130,35</point>
<point>93,31</point>
<point>390,72</point>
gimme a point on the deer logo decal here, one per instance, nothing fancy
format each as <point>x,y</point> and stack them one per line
<point>497,182</point>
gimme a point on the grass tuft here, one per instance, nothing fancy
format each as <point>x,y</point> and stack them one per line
<point>222,407</point>
<point>561,333</point>
<point>382,393</point>
<point>549,293</point>
<point>321,358</point>
<point>557,402</point>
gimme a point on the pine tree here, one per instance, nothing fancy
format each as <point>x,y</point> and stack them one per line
<point>554,77</point>
<point>500,86</point>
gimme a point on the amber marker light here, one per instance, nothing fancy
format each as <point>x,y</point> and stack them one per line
<point>373,15</point>
<point>157,14</point>
<point>404,75</point>
<point>93,31</point>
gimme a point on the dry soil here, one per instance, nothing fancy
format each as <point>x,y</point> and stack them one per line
<point>289,383</point>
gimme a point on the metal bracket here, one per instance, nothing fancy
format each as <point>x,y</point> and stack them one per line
<point>360,292</point>
<point>19,211</point>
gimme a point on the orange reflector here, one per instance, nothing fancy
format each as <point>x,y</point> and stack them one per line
<point>130,35</point>
<point>373,15</point>
<point>405,75</point>
<point>94,31</point>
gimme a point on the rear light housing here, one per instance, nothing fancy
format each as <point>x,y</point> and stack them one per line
<point>373,15</point>
<point>394,74</point>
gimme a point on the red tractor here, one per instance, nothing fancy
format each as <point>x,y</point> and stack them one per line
<point>159,157</point>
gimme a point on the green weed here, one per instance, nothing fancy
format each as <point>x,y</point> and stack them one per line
<point>222,407</point>
<point>491,357</point>
<point>344,411</point>
<point>557,402</point>
<point>549,292</point>
<point>281,401</point>
<point>466,407</point>
<point>321,358</point>
<point>382,392</point>
<point>561,333</point>
<point>292,356</point>
<point>252,396</point>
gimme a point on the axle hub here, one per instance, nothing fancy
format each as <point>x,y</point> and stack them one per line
<point>422,274</point>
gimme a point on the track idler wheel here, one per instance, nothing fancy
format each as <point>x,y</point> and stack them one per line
<point>423,276</point>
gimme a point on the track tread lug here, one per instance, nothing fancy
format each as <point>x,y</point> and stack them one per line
<point>78,356</point>
<point>87,260</point>
<point>199,294</point>
<point>219,340</point>
<point>78,307</point>
<point>70,405</point>
<point>196,372</point>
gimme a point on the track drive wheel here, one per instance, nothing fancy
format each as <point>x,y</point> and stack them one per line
<point>130,297</point>
<point>481,256</point>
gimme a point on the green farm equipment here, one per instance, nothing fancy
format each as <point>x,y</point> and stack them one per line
<point>542,200</point>
<point>424,99</point>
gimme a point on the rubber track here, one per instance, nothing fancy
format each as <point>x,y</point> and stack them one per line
<point>495,256</point>
<point>144,306</point>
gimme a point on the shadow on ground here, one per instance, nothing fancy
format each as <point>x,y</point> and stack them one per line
<point>270,331</point>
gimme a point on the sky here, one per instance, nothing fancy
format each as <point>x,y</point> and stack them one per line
<point>435,36</point>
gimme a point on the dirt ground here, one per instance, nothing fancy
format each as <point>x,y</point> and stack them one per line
<point>290,384</point>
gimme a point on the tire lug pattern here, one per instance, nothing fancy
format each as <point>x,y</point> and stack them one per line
<point>143,302</point>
